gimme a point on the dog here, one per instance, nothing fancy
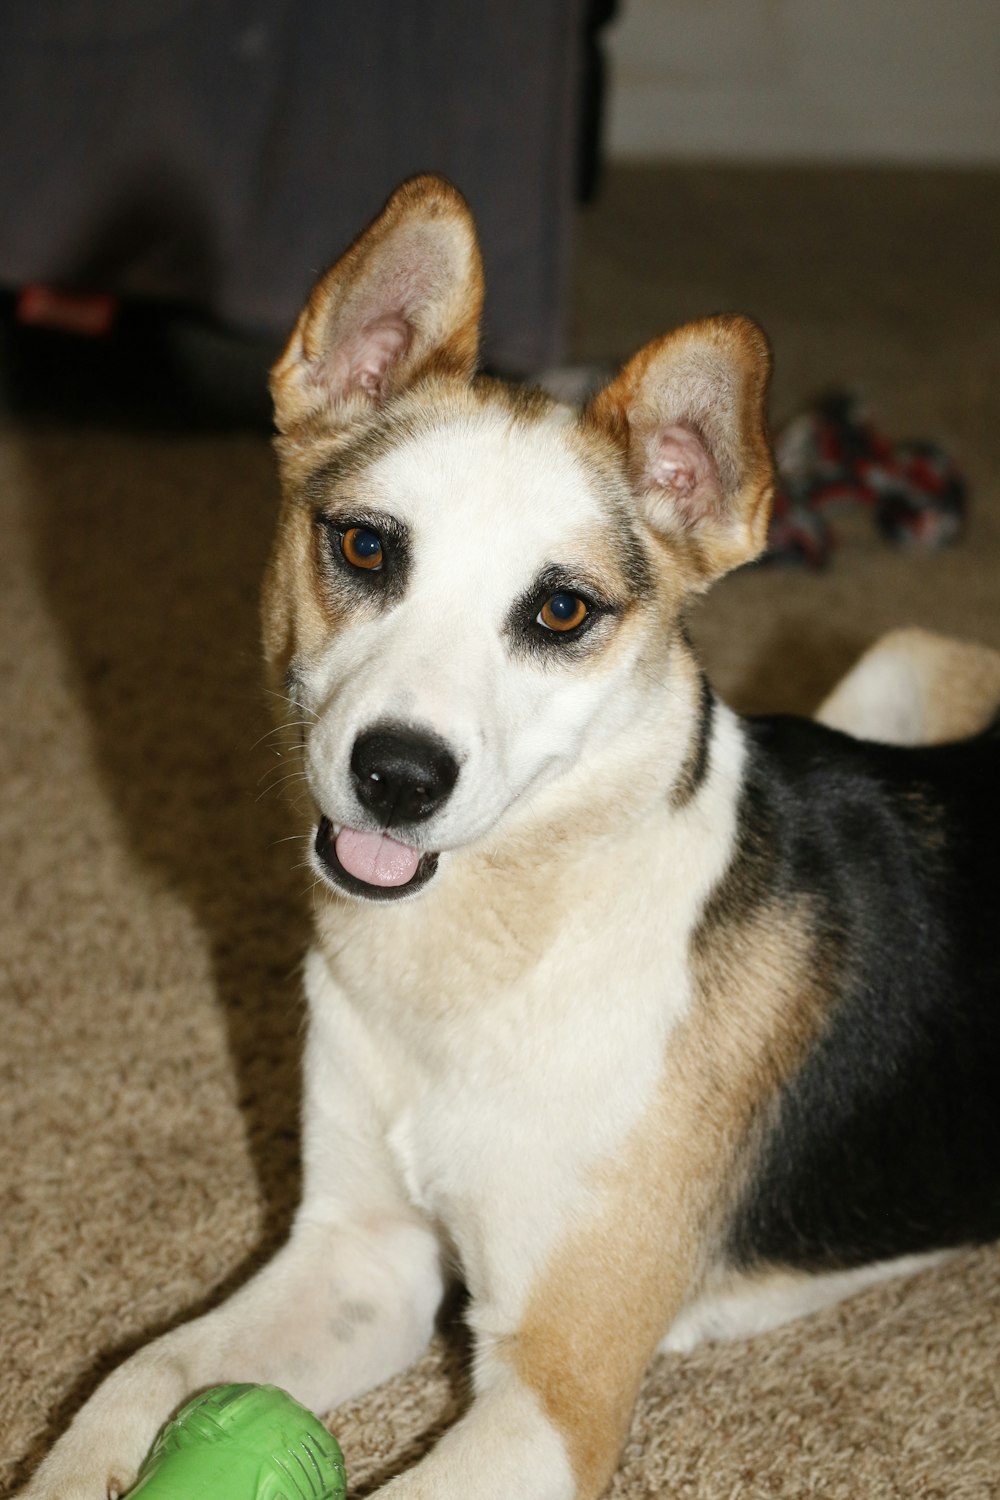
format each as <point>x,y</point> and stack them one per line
<point>659,1023</point>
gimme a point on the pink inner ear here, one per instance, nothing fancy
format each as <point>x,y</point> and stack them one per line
<point>678,463</point>
<point>375,350</point>
<point>364,362</point>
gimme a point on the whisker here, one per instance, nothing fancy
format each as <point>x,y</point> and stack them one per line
<point>272,786</point>
<point>271,770</point>
<point>281,729</point>
<point>291,702</point>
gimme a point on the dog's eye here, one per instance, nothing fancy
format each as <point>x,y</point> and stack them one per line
<point>562,612</point>
<point>362,548</point>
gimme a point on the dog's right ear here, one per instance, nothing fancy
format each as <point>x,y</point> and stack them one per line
<point>405,299</point>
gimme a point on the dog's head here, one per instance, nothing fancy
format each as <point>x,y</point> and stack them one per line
<point>475,590</point>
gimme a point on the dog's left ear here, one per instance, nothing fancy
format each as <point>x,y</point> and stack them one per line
<point>405,298</point>
<point>689,412</point>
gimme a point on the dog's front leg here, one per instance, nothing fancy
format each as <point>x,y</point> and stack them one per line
<point>506,1444</point>
<point>552,1406</point>
<point>562,1343</point>
<point>348,1301</point>
<point>339,1309</point>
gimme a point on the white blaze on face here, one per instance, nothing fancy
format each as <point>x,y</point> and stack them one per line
<point>487,504</point>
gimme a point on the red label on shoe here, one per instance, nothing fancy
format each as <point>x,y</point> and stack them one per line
<point>91,314</point>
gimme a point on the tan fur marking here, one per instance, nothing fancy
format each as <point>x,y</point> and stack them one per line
<point>501,911</point>
<point>595,1318</point>
<point>500,917</point>
<point>602,552</point>
<point>296,615</point>
<point>525,403</point>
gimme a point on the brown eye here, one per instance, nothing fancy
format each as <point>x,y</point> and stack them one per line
<point>562,612</point>
<point>362,548</point>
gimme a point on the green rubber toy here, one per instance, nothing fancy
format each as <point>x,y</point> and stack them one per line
<point>243,1442</point>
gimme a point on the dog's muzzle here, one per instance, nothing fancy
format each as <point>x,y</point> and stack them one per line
<point>400,776</point>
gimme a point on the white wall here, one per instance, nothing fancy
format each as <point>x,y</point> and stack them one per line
<point>855,80</point>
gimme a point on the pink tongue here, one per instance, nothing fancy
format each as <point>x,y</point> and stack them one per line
<point>376,858</point>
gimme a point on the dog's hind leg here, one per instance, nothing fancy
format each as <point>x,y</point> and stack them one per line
<point>916,688</point>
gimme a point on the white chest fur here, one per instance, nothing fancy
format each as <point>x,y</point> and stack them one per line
<point>498,1065</point>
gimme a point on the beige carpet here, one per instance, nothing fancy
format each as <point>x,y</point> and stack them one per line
<point>151,917</point>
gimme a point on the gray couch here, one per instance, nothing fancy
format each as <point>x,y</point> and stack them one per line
<point>219,153</point>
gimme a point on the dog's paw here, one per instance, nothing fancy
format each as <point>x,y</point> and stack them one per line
<point>69,1477</point>
<point>99,1456</point>
<point>95,1462</point>
<point>97,1459</point>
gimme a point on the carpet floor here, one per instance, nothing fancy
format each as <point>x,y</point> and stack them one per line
<point>153,913</point>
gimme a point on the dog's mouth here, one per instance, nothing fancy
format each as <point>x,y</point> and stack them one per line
<point>371,865</point>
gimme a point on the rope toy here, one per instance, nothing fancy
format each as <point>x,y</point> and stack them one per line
<point>832,458</point>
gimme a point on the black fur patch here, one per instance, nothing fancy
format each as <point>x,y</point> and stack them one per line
<point>887,1139</point>
<point>695,766</point>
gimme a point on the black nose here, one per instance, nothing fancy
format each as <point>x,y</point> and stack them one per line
<point>402,775</point>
